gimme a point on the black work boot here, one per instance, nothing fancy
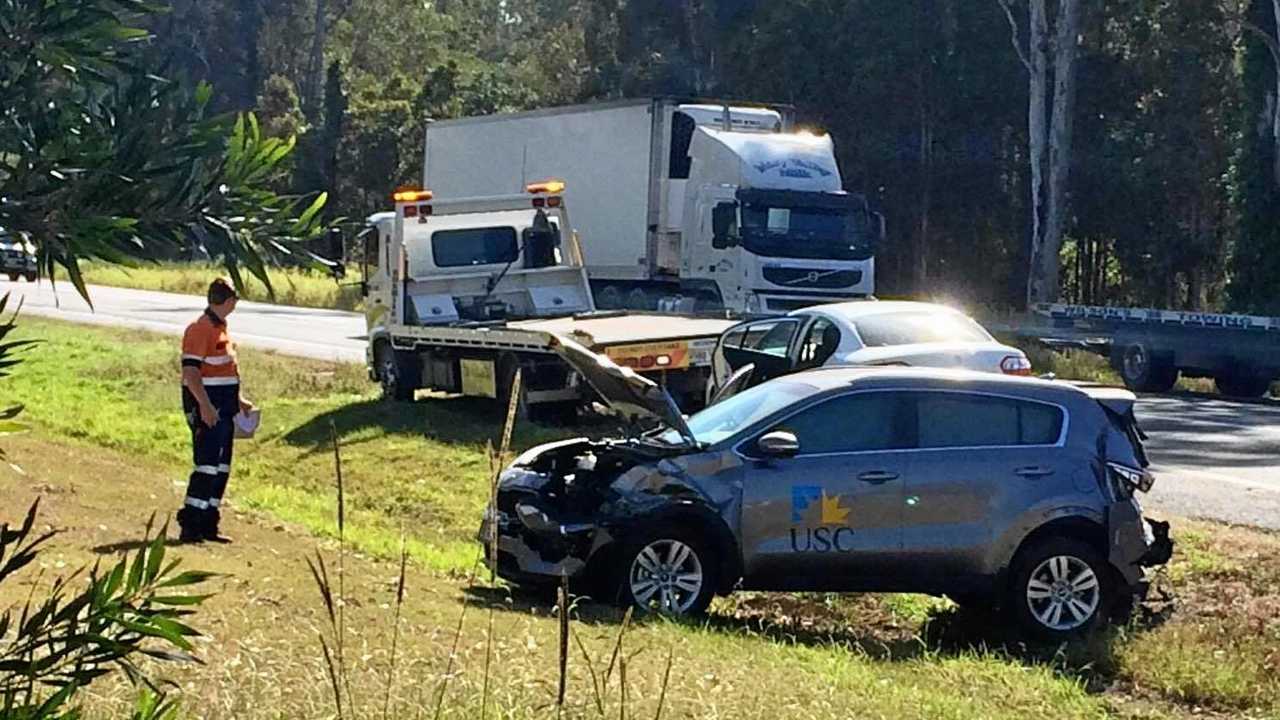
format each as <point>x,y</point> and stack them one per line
<point>211,532</point>
<point>191,525</point>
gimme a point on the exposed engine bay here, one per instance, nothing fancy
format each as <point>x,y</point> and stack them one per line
<point>559,504</point>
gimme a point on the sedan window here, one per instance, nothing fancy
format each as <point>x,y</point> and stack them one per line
<point>962,420</point>
<point>771,339</point>
<point>909,328</point>
<point>819,344</point>
<point>858,422</point>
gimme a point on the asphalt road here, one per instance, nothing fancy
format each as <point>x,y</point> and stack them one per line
<point>1213,458</point>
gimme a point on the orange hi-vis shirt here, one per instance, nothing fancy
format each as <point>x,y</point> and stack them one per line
<point>206,345</point>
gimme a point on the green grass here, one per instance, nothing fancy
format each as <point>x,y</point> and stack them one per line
<point>420,465</point>
<point>292,286</point>
<point>422,468</point>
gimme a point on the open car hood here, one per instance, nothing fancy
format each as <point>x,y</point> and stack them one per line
<point>623,389</point>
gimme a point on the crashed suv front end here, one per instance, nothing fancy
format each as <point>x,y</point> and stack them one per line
<point>565,508</point>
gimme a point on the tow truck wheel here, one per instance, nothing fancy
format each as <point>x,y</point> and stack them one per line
<point>668,570</point>
<point>395,374</point>
<point>1242,385</point>
<point>31,277</point>
<point>13,277</point>
<point>1144,371</point>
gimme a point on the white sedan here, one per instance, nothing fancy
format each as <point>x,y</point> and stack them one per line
<point>861,332</point>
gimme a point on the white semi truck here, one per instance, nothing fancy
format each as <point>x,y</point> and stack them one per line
<point>687,206</point>
<point>459,294</point>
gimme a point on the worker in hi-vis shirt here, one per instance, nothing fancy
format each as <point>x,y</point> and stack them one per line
<point>211,399</point>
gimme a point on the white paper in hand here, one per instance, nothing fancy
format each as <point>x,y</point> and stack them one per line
<point>247,423</point>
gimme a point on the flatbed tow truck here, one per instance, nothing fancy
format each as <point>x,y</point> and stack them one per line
<point>1151,348</point>
<point>459,294</point>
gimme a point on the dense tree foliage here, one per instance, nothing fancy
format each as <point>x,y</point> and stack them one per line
<point>1170,199</point>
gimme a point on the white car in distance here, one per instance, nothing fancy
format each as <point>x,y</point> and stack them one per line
<point>860,332</point>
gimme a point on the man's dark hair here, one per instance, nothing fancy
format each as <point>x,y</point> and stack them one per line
<point>220,291</point>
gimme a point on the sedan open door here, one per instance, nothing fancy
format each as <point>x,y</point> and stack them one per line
<point>765,344</point>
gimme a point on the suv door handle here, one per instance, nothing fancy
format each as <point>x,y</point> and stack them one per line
<point>1033,471</point>
<point>875,477</point>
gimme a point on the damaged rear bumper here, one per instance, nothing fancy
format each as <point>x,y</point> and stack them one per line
<point>1136,544</point>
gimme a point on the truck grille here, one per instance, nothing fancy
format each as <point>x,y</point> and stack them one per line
<point>812,277</point>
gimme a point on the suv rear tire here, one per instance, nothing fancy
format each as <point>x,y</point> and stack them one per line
<point>1060,588</point>
<point>669,570</point>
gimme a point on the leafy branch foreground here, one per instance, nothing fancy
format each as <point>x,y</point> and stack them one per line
<point>52,648</point>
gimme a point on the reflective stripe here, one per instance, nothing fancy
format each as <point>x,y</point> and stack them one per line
<point>218,359</point>
<point>197,503</point>
<point>214,502</point>
<point>224,468</point>
<point>207,469</point>
<point>186,356</point>
<point>217,381</point>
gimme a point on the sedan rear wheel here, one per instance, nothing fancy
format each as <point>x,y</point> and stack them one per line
<point>1061,588</point>
<point>669,571</point>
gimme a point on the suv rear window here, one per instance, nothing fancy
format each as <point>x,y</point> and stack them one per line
<point>962,420</point>
<point>474,246</point>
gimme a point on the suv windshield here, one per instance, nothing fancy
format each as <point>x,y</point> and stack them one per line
<point>730,416</point>
<point>799,232</point>
<point>909,328</point>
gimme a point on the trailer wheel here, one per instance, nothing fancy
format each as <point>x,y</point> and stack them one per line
<point>1242,384</point>
<point>1143,371</point>
<point>397,372</point>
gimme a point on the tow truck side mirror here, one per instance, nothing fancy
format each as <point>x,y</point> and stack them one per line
<point>877,230</point>
<point>724,218</point>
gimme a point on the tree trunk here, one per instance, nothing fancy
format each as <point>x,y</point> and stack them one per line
<point>921,273</point>
<point>1275,109</point>
<point>1037,134</point>
<point>314,85</point>
<point>1060,141</point>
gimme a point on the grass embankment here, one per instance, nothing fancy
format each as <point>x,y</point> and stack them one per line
<point>108,444</point>
<point>292,286</point>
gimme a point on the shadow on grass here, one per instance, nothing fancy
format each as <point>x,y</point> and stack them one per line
<point>451,420</point>
<point>946,632</point>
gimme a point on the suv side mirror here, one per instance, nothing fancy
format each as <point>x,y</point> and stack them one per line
<point>724,218</point>
<point>778,444</point>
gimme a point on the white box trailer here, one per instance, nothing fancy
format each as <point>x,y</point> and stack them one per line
<point>680,205</point>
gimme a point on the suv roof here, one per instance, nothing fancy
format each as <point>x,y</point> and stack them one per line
<point>836,376</point>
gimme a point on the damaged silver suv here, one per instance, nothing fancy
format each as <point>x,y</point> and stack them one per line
<point>1002,491</point>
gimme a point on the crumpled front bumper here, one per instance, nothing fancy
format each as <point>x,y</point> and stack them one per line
<point>524,555</point>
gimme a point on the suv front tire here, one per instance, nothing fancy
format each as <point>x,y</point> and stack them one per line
<point>668,570</point>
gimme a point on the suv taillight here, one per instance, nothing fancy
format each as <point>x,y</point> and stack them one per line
<point>1134,478</point>
<point>1015,365</point>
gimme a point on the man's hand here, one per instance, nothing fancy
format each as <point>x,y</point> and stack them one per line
<point>246,405</point>
<point>208,414</point>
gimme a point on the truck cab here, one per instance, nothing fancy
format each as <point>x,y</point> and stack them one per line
<point>765,216</point>
<point>474,260</point>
